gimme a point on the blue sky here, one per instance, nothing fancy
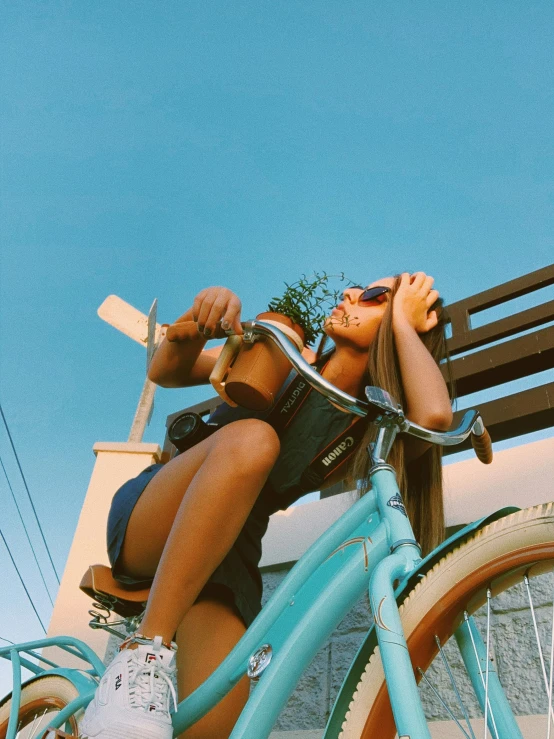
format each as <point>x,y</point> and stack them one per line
<point>152,149</point>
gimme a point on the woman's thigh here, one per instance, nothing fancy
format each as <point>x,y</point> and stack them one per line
<point>154,513</point>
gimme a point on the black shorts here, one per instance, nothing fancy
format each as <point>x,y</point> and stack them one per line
<point>237,579</point>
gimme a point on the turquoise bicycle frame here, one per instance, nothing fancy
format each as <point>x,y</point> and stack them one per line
<point>341,567</point>
<point>370,546</point>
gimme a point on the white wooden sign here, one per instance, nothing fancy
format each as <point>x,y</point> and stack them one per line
<point>146,331</point>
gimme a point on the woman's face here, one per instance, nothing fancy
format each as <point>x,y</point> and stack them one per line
<point>364,318</point>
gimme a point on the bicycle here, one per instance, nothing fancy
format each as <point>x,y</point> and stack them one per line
<point>417,606</point>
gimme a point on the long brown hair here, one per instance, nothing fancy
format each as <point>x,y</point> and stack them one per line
<point>419,481</point>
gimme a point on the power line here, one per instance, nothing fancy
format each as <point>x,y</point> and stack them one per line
<point>24,586</point>
<point>29,494</point>
<point>26,532</point>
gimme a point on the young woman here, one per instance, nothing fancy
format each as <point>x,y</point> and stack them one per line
<point>193,527</point>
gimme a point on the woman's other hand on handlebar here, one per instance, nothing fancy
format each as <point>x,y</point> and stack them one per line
<point>184,329</point>
<point>214,304</point>
<point>211,307</point>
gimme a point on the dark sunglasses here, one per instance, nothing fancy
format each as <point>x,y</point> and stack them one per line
<point>371,294</point>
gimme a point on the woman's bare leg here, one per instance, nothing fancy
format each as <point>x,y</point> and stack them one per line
<point>206,635</point>
<point>190,515</point>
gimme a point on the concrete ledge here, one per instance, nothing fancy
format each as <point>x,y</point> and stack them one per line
<point>317,734</point>
<point>128,447</point>
<point>530,726</point>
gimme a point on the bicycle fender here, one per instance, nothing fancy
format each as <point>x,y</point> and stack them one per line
<point>351,680</point>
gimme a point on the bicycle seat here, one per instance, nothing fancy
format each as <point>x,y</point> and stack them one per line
<point>99,584</point>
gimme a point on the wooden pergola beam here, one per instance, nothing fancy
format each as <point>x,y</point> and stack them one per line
<point>511,360</point>
<point>513,415</point>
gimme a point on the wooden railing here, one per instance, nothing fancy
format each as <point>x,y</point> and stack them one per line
<point>515,357</point>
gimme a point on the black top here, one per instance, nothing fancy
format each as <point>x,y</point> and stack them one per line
<point>316,424</point>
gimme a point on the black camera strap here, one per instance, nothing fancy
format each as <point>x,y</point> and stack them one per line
<point>336,453</point>
<point>293,397</point>
<point>289,403</point>
<point>327,461</point>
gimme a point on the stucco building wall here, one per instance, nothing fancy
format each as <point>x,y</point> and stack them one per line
<point>115,463</point>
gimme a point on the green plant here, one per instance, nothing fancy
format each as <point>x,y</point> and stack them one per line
<point>308,301</point>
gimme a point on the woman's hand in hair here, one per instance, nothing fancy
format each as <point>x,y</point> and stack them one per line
<point>413,301</point>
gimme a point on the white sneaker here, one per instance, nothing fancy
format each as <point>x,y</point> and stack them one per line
<point>132,699</point>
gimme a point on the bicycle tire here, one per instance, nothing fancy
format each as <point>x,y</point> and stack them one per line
<point>40,697</point>
<point>436,602</point>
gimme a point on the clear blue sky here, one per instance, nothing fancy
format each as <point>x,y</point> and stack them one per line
<point>152,149</point>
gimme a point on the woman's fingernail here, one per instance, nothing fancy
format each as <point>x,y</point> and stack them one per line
<point>195,319</point>
<point>225,325</point>
<point>208,333</point>
<point>201,329</point>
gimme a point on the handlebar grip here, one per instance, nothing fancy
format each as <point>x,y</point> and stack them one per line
<point>222,365</point>
<point>482,446</point>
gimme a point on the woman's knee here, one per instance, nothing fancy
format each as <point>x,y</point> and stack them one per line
<point>250,441</point>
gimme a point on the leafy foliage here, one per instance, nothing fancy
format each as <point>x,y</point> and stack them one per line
<point>308,302</point>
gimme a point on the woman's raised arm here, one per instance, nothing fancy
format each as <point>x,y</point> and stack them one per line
<point>428,402</point>
<point>180,360</point>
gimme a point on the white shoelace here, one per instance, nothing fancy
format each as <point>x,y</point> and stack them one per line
<point>148,684</point>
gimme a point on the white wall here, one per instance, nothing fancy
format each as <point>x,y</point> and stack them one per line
<point>521,476</point>
<point>115,463</point>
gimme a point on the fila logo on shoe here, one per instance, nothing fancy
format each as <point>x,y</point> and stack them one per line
<point>150,657</point>
<point>118,682</point>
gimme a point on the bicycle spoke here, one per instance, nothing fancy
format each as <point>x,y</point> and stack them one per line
<point>488,662</point>
<point>32,729</point>
<point>466,617</point>
<point>537,637</point>
<point>487,673</point>
<point>453,683</point>
<point>445,706</point>
<point>34,726</point>
<point>551,671</point>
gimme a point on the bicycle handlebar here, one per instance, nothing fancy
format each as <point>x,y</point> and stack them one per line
<point>379,402</point>
<point>319,383</point>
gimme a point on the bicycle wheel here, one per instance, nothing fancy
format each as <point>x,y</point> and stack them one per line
<point>511,560</point>
<point>41,700</point>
